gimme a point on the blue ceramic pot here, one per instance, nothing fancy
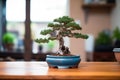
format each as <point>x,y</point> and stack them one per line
<point>63,61</point>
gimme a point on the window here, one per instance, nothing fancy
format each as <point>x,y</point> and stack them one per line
<point>15,10</point>
<point>47,10</point>
<point>42,12</point>
<point>15,17</point>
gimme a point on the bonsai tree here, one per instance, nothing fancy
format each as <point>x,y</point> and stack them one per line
<point>63,27</point>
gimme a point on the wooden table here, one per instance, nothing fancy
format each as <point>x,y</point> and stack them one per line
<point>40,70</point>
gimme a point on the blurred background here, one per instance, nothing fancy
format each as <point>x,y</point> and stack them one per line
<point>22,20</point>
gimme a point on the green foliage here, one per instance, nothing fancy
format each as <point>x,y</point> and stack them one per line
<point>51,38</point>
<point>45,32</point>
<point>8,38</point>
<point>79,35</point>
<point>42,40</point>
<point>50,25</point>
<point>103,39</point>
<point>54,26</point>
<point>51,44</point>
<point>64,27</point>
<point>73,26</point>
<point>64,19</point>
<point>116,33</point>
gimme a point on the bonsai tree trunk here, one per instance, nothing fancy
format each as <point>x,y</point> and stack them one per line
<point>63,50</point>
<point>61,42</point>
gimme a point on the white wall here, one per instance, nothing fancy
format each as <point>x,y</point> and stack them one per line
<point>115,15</point>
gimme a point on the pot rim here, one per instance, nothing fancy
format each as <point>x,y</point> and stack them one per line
<point>73,56</point>
<point>116,50</point>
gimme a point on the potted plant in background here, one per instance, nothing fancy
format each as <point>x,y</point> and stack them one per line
<point>116,37</point>
<point>63,27</point>
<point>103,47</point>
<point>103,43</point>
<point>8,41</point>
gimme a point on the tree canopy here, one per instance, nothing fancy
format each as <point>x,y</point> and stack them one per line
<point>63,27</point>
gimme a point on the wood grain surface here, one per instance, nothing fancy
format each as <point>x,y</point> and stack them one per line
<point>40,70</point>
